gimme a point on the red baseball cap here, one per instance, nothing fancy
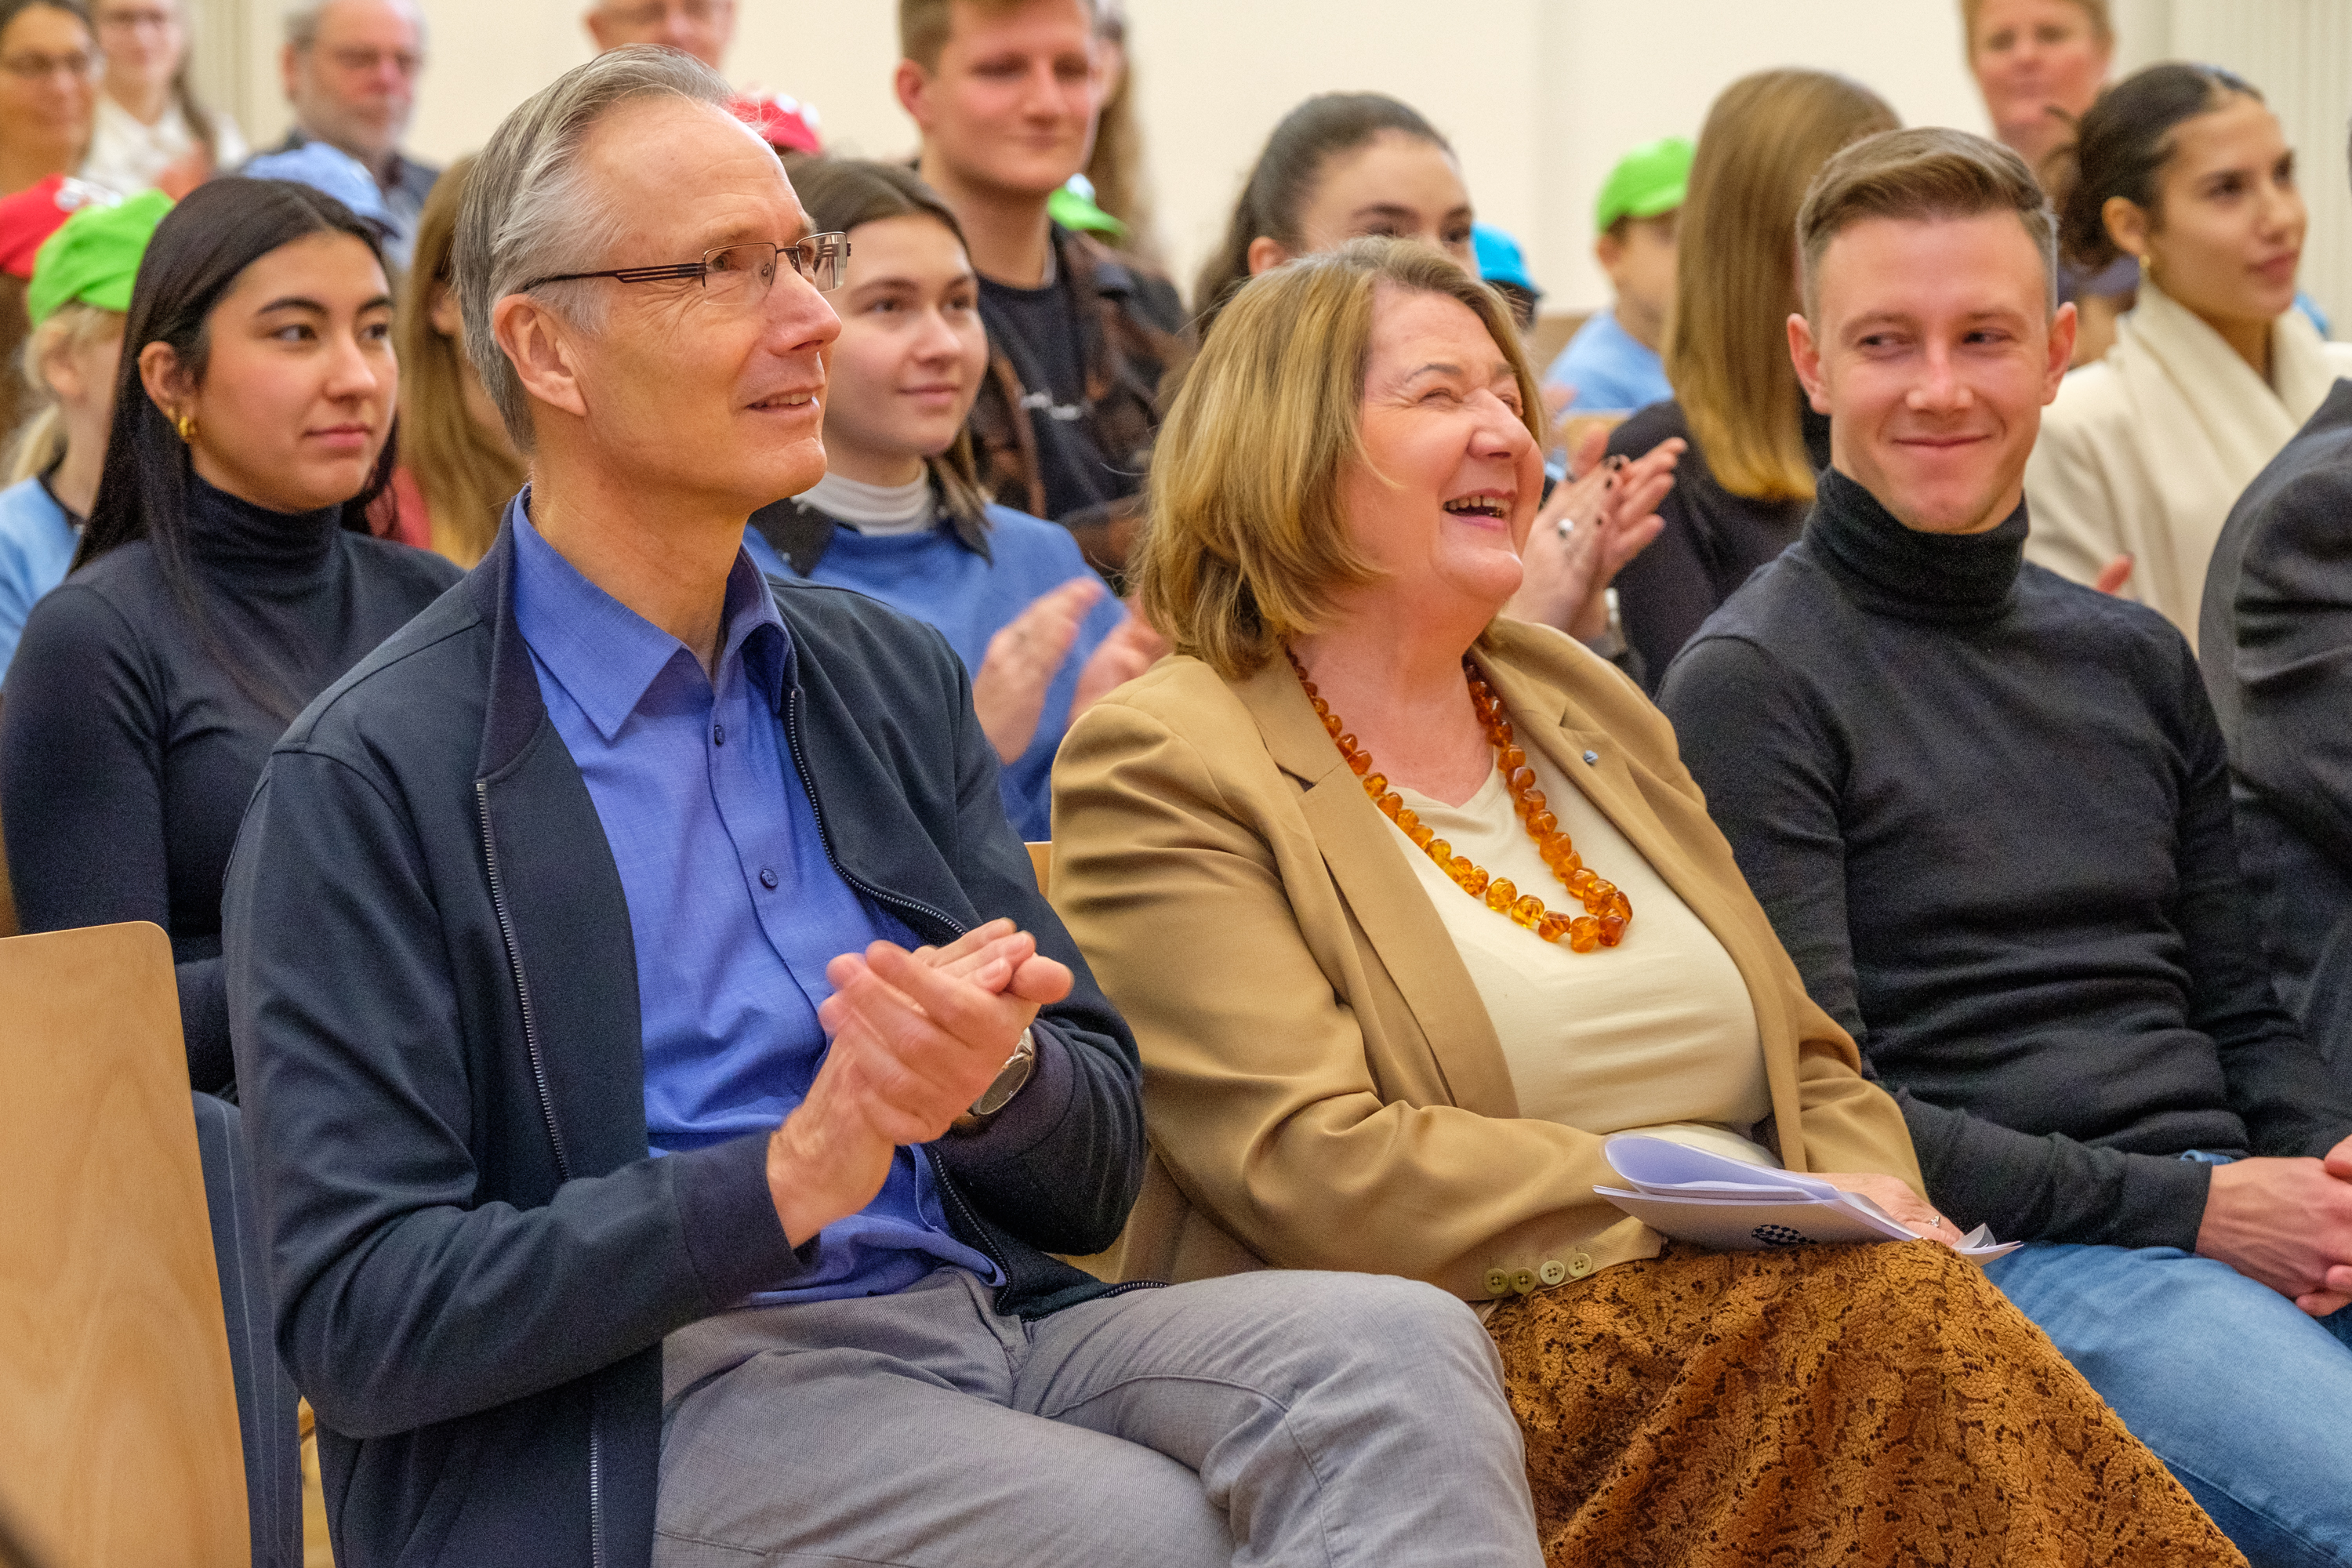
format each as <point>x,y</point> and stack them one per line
<point>783,121</point>
<point>34,214</point>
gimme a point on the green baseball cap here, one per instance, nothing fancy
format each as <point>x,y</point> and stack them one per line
<point>1646,182</point>
<point>94,256</point>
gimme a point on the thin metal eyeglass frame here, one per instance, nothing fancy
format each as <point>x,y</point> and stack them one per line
<point>810,256</point>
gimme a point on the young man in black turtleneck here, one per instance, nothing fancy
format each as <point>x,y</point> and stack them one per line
<point>1988,812</point>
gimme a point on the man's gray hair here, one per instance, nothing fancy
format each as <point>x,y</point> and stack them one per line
<point>531,211</point>
<point>303,20</point>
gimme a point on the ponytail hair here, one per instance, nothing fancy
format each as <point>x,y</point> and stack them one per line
<point>1285,179</point>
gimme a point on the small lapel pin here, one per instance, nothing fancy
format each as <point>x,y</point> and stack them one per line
<point>1592,758</point>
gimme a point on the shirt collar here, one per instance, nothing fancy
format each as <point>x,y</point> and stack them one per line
<point>606,655</point>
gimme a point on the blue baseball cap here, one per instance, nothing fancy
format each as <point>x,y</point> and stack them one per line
<point>329,169</point>
<point>1499,258</point>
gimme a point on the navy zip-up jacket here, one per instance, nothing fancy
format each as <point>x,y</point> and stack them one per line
<point>432,998</point>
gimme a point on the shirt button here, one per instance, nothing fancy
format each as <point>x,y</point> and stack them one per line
<point>1580,1263</point>
<point>1552,1273</point>
<point>767,878</point>
<point>719,734</point>
<point>1498,1282</point>
<point>1524,1280</point>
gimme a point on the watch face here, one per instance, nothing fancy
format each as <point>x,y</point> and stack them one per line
<point>1008,1081</point>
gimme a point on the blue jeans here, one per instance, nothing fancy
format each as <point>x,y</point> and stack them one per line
<point>2244,1398</point>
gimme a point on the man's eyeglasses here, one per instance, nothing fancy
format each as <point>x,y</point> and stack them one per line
<point>736,274</point>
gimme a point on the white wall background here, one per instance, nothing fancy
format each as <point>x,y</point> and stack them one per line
<point>1539,97</point>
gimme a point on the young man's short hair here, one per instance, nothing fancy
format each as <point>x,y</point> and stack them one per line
<point>1921,174</point>
<point>924,24</point>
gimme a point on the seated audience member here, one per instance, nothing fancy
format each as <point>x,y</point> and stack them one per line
<point>900,513</point>
<point>1612,363</point>
<point>1989,814</point>
<point>152,130</point>
<point>458,469</point>
<point>2039,64</point>
<point>351,68</point>
<point>1006,94</point>
<point>2276,649</point>
<point>2184,168</point>
<point>1348,165</point>
<point>81,288</point>
<point>1388,1011</point>
<point>661,1124</point>
<point>705,29</point>
<point>1114,185</point>
<point>1742,490</point>
<point>224,579</point>
<point>27,221</point>
<point>49,67</point>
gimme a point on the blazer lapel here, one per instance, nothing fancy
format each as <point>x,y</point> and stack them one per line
<point>1546,720</point>
<point>1385,896</point>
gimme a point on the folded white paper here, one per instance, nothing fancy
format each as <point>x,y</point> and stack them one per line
<point>1713,1201</point>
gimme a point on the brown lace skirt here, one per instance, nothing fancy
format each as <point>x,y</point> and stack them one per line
<point>1855,1405</point>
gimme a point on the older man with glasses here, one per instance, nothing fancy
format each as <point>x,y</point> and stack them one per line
<point>666,1083</point>
<point>351,68</point>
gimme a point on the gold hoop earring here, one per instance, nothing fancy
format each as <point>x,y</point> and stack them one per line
<point>186,425</point>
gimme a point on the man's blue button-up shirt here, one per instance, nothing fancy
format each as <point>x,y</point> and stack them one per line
<point>735,907</point>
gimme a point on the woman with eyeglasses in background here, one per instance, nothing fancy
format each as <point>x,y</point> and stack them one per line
<point>48,89</point>
<point>152,129</point>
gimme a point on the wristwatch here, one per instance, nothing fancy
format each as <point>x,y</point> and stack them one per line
<point>1009,1079</point>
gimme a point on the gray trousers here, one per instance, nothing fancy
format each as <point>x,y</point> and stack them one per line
<point>1266,1418</point>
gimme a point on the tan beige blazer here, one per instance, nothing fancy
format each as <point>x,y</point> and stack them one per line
<point>1321,1082</point>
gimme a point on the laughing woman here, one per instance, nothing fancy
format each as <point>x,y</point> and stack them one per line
<point>1341,863</point>
<point>225,577</point>
<point>900,515</point>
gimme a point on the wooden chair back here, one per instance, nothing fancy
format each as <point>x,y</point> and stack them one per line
<point>1041,865</point>
<point>119,1444</point>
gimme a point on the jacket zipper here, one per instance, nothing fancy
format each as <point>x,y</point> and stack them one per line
<point>554,1138</point>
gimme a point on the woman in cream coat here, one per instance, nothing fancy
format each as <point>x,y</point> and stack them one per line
<point>1357,1059</point>
<point>2144,453</point>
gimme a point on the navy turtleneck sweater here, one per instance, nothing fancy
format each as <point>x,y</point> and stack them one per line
<point>131,738</point>
<point>1988,811</point>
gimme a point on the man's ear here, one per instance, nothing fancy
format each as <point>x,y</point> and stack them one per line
<point>911,85</point>
<point>286,58</point>
<point>2064,327</point>
<point>533,339</point>
<point>1610,252</point>
<point>1806,355</point>
<point>1265,254</point>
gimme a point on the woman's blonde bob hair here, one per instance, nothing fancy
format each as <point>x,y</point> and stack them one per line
<point>1246,542</point>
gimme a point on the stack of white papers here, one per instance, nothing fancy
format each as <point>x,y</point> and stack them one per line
<point>1713,1201</point>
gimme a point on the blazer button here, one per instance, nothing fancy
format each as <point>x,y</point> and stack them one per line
<point>1498,1282</point>
<point>1523,1281</point>
<point>1552,1273</point>
<point>1580,1263</point>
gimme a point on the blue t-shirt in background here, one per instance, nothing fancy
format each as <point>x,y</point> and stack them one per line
<point>1609,368</point>
<point>938,579</point>
<point>37,540</point>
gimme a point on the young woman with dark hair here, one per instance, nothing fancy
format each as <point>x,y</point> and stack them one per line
<point>2184,168</point>
<point>226,576</point>
<point>1339,166</point>
<point>900,514</point>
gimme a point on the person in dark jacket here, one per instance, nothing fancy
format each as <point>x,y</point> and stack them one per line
<point>1007,98</point>
<point>225,577</point>
<point>666,1081</point>
<point>1986,810</point>
<point>2275,642</point>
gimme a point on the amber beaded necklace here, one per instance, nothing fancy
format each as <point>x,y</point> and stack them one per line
<point>1607,910</point>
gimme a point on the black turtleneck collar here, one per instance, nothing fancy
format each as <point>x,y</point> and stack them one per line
<point>1954,579</point>
<point>253,543</point>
